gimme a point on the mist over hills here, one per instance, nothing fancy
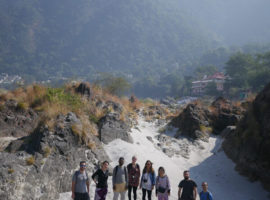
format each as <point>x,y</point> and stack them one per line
<point>236,22</point>
<point>140,40</point>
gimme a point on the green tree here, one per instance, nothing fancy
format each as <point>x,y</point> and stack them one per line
<point>238,68</point>
<point>114,85</point>
<point>205,70</point>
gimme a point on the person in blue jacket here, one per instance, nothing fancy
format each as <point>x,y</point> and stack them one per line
<point>148,180</point>
<point>205,194</point>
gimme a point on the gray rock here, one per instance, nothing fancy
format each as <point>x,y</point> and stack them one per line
<point>150,139</point>
<point>168,152</point>
<point>111,128</point>
<point>71,117</point>
<point>17,122</point>
<point>116,106</point>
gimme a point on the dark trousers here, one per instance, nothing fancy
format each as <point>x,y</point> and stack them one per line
<point>81,196</point>
<point>130,188</point>
<point>149,194</point>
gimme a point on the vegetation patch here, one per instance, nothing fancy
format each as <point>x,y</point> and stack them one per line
<point>206,129</point>
<point>30,161</point>
<point>11,171</point>
<point>22,106</point>
<point>46,151</point>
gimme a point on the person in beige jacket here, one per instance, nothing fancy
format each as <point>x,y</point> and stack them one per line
<point>120,180</point>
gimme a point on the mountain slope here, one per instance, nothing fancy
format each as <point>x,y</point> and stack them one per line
<point>67,38</point>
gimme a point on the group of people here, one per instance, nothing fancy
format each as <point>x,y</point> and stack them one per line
<point>129,178</point>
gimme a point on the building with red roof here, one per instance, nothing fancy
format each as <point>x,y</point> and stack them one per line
<point>198,87</point>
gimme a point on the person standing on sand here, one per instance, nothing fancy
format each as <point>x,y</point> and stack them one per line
<point>187,188</point>
<point>100,178</point>
<point>163,187</point>
<point>205,194</point>
<point>80,184</point>
<point>134,174</point>
<point>148,180</point>
<point>120,180</point>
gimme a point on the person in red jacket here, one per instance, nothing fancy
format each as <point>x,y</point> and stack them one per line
<point>133,177</point>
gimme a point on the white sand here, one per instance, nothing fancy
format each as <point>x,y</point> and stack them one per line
<point>206,163</point>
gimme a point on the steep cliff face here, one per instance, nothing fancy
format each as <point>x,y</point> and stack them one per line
<point>249,144</point>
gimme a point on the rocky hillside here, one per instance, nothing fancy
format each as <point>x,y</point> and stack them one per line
<point>48,131</point>
<point>249,145</point>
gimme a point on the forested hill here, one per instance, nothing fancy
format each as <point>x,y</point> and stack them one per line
<point>155,44</point>
<point>74,38</point>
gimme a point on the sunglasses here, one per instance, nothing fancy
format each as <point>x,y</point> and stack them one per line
<point>82,165</point>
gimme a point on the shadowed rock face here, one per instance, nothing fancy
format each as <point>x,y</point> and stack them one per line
<point>224,114</point>
<point>55,156</point>
<point>17,121</point>
<point>249,144</point>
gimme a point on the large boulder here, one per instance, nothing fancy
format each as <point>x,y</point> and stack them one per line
<point>40,166</point>
<point>192,122</point>
<point>249,144</point>
<point>16,120</point>
<point>111,127</point>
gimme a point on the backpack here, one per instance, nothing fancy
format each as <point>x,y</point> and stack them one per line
<point>125,170</point>
<point>208,195</point>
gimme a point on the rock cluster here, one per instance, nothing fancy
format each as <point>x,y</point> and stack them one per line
<point>40,166</point>
<point>198,121</point>
<point>37,161</point>
<point>224,113</point>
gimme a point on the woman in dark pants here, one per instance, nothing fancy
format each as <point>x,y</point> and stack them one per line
<point>100,177</point>
<point>148,180</point>
<point>133,177</point>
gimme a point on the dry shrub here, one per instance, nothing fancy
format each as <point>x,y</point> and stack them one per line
<point>30,160</point>
<point>22,106</point>
<point>91,145</point>
<point>205,129</point>
<point>77,129</point>
<point>11,171</point>
<point>88,126</point>
<point>46,151</point>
